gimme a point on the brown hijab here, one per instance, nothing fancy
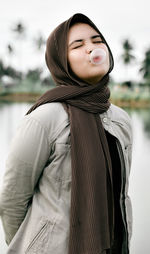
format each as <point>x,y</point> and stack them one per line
<point>92,204</point>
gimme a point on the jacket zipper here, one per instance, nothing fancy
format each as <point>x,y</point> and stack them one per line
<point>123,210</point>
<point>36,238</point>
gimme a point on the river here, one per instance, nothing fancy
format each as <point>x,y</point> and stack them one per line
<point>11,114</point>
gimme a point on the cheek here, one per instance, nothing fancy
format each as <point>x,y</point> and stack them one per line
<point>75,60</point>
<point>74,57</point>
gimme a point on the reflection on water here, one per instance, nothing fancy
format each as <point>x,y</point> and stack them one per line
<point>11,114</point>
<point>140,182</point>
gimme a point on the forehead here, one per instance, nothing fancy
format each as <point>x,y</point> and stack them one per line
<point>81,31</point>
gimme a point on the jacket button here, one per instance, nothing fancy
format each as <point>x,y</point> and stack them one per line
<point>105,120</point>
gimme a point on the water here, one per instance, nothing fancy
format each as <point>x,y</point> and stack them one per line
<point>11,114</point>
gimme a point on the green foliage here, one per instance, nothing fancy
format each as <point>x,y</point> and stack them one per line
<point>34,75</point>
<point>27,86</point>
<point>48,81</point>
<point>2,69</point>
<point>32,81</point>
<point>145,68</point>
<point>127,56</point>
<point>130,95</point>
<point>9,71</point>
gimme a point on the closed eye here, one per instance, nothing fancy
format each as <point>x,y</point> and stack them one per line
<point>77,46</point>
<point>98,41</point>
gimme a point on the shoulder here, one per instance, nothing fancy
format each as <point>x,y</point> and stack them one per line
<point>119,115</point>
<point>53,111</point>
<point>51,116</point>
<point>121,123</point>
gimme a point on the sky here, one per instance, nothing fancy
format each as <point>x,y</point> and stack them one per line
<point>117,20</point>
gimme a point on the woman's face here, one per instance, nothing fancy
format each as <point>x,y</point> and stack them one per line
<point>82,40</point>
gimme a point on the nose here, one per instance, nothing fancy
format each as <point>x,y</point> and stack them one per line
<point>89,48</point>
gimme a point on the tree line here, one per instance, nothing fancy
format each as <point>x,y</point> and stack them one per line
<point>35,74</point>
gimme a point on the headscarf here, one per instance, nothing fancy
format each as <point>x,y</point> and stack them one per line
<point>92,203</point>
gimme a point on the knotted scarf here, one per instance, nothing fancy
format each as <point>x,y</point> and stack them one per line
<point>92,204</point>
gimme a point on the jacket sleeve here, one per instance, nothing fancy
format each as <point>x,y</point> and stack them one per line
<point>27,157</point>
<point>130,145</point>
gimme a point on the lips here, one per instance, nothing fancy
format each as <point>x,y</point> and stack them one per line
<point>96,59</point>
<point>98,56</point>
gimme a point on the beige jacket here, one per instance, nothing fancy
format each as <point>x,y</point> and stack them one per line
<point>35,198</point>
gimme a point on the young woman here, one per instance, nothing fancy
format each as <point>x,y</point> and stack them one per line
<point>66,181</point>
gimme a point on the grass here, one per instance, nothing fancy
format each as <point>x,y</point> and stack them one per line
<point>131,98</point>
<point>29,91</point>
<point>23,91</point>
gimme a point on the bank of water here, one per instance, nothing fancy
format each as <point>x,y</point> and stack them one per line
<point>139,190</point>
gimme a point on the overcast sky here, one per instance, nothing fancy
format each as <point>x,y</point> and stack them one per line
<point>117,20</point>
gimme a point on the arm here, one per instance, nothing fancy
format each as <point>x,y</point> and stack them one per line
<point>27,157</point>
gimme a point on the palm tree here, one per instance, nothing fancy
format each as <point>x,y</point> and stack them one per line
<point>19,29</point>
<point>39,42</point>
<point>145,68</point>
<point>127,56</point>
<point>2,69</point>
<point>10,51</point>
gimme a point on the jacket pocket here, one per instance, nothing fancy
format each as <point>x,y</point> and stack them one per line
<point>59,167</point>
<point>40,241</point>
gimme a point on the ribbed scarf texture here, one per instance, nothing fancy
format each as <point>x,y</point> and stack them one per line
<point>92,204</point>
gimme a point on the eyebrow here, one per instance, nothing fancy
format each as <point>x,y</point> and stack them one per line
<point>80,40</point>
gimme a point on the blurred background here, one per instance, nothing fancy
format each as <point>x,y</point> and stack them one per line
<point>24,28</point>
